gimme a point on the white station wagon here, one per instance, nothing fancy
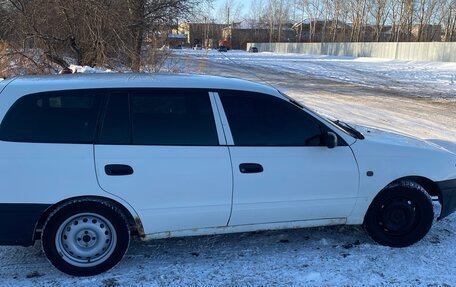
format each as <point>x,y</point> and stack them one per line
<point>87,161</point>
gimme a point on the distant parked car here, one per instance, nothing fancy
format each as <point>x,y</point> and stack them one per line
<point>197,47</point>
<point>223,49</point>
<point>253,50</point>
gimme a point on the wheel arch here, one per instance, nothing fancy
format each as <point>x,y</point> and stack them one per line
<point>134,222</point>
<point>430,186</point>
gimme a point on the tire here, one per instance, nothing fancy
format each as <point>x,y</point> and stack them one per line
<point>85,238</point>
<point>400,215</point>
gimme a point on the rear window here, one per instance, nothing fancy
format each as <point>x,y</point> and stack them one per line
<point>52,117</point>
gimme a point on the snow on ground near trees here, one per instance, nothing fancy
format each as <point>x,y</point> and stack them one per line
<point>417,98</point>
<point>88,70</point>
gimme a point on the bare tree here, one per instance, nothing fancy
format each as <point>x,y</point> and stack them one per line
<point>449,21</point>
<point>150,16</point>
<point>231,12</point>
<point>92,32</point>
<point>379,11</point>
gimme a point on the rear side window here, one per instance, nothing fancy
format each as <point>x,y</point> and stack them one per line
<point>264,120</point>
<point>116,127</point>
<point>160,117</point>
<point>53,117</point>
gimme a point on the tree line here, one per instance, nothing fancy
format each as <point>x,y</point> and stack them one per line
<point>406,20</point>
<point>50,33</point>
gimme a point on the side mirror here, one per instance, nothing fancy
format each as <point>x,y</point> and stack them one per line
<point>331,140</point>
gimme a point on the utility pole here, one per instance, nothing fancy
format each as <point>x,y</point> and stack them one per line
<point>229,28</point>
<point>280,21</point>
<point>228,15</point>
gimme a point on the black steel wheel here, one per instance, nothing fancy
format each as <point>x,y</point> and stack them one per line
<point>400,215</point>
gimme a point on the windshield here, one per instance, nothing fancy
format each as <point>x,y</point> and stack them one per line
<point>339,125</point>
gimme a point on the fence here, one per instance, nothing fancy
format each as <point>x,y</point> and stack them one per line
<point>420,51</point>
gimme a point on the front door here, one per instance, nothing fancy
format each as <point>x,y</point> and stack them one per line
<point>282,171</point>
<point>159,150</point>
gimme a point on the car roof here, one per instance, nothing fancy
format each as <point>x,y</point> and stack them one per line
<point>132,80</point>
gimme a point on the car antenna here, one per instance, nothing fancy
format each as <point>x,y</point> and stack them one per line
<point>245,69</point>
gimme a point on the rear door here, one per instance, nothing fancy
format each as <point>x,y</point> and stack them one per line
<point>46,146</point>
<point>161,151</point>
<point>282,170</point>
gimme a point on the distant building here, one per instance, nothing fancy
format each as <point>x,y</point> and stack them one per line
<point>239,34</point>
<point>239,37</point>
<point>205,34</point>
<point>176,40</point>
<point>429,33</point>
<point>373,33</point>
<point>317,30</point>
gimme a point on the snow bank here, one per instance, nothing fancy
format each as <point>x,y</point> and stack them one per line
<point>90,70</point>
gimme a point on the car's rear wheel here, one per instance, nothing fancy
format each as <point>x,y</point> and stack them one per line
<point>85,238</point>
<point>400,215</point>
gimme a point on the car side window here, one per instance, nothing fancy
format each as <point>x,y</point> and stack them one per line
<point>116,127</point>
<point>264,120</point>
<point>177,117</point>
<point>52,117</point>
<point>160,117</point>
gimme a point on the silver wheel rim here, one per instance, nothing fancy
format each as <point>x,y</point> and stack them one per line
<point>86,239</point>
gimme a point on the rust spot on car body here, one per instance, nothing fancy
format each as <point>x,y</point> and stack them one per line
<point>140,228</point>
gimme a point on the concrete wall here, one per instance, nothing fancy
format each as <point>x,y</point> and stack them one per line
<point>420,51</point>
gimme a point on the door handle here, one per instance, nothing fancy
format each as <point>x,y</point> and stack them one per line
<point>118,169</point>
<point>250,168</point>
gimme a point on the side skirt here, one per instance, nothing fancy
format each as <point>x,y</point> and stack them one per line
<point>246,228</point>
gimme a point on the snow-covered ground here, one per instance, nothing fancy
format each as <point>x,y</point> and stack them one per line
<point>417,98</point>
<point>335,256</point>
<point>417,78</point>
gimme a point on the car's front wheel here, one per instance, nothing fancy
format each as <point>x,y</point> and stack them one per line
<point>400,215</point>
<point>85,238</point>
